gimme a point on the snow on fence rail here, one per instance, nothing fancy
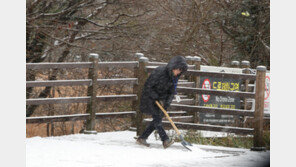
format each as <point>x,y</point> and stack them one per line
<point>186,84</point>
<point>126,64</point>
<point>75,117</point>
<point>142,68</point>
<point>163,64</point>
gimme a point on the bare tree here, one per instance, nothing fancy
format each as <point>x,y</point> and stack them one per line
<point>247,22</point>
<point>58,30</point>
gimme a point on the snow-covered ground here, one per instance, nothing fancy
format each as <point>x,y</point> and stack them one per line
<point>119,149</point>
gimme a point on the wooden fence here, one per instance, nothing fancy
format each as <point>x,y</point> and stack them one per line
<point>142,68</point>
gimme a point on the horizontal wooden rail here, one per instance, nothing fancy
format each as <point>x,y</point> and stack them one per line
<point>64,100</point>
<point>122,64</point>
<point>181,118</point>
<point>206,127</point>
<point>58,83</point>
<point>220,74</point>
<point>185,101</point>
<point>182,80</point>
<point>174,113</point>
<point>186,84</point>
<point>117,97</point>
<point>212,74</point>
<point>153,63</point>
<point>215,92</point>
<point>114,81</point>
<point>59,100</point>
<point>58,65</point>
<point>75,117</point>
<point>118,81</point>
<point>127,64</point>
<point>211,110</point>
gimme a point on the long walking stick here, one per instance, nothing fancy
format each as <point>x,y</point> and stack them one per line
<point>184,143</point>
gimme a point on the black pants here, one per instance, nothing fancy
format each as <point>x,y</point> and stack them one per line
<point>155,124</point>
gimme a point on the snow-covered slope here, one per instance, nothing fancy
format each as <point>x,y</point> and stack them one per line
<point>120,149</point>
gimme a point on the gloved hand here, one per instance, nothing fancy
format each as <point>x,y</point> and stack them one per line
<point>163,106</point>
<point>178,99</point>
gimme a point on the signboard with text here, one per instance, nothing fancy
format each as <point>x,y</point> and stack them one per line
<point>225,84</point>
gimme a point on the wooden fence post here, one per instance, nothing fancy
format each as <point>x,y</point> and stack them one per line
<point>246,65</point>
<point>196,79</point>
<point>50,126</point>
<point>259,109</point>
<point>135,103</point>
<point>138,56</point>
<point>92,91</point>
<point>142,76</point>
<point>189,60</point>
<point>235,64</point>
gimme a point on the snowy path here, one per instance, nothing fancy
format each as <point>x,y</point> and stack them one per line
<point>119,149</point>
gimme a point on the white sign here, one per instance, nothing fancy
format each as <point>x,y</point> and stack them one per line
<point>206,85</point>
<point>267,94</point>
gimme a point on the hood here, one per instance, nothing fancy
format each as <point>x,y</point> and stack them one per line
<point>175,63</point>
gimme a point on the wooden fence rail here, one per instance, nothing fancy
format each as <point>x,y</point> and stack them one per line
<point>115,81</point>
<point>35,66</point>
<point>65,100</point>
<point>211,110</point>
<point>126,64</point>
<point>215,92</point>
<point>212,74</point>
<point>76,117</point>
<point>156,64</point>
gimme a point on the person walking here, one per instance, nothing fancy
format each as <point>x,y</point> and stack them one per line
<point>160,86</point>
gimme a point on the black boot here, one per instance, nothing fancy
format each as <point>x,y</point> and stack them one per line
<point>143,142</point>
<point>167,143</point>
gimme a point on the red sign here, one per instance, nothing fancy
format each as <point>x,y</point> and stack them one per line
<point>206,85</point>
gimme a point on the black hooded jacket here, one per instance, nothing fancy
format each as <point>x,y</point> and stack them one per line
<point>161,85</point>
